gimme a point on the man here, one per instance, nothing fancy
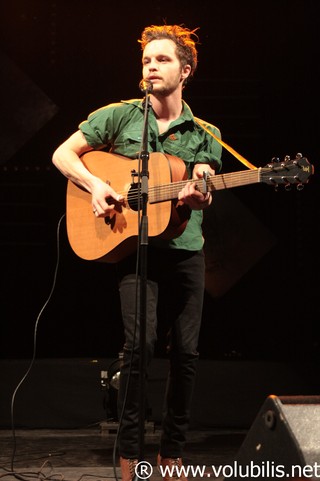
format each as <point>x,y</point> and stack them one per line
<point>175,266</point>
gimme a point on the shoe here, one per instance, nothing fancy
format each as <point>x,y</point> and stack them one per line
<point>170,466</point>
<point>128,468</point>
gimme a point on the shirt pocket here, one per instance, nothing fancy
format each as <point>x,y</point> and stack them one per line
<point>128,143</point>
<point>187,154</point>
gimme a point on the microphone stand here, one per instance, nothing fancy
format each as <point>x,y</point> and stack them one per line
<point>146,87</point>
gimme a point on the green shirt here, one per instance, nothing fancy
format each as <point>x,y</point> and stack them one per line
<point>118,128</point>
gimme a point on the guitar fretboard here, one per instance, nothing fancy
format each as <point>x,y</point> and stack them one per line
<point>162,193</point>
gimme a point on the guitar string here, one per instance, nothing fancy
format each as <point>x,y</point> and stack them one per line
<point>219,182</point>
<point>213,182</point>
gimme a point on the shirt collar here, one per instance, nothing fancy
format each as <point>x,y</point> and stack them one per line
<point>186,114</point>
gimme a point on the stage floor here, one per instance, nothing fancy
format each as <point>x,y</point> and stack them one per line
<point>83,454</point>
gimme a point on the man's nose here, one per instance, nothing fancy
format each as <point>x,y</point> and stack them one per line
<point>152,65</point>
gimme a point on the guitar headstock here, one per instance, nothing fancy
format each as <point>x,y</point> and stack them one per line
<point>288,172</point>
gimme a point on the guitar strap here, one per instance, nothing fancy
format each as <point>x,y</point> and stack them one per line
<point>226,146</point>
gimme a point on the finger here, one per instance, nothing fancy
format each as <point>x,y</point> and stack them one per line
<point>119,198</point>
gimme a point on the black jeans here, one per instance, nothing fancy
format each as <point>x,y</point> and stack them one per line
<point>175,289</point>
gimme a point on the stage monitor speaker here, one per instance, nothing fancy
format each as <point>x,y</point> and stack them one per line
<point>282,443</point>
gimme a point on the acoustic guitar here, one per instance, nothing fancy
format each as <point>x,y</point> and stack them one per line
<point>111,239</point>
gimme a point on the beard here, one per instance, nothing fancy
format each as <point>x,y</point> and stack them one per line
<point>163,91</point>
<point>167,88</point>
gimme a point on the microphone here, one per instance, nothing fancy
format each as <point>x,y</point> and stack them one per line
<point>145,86</point>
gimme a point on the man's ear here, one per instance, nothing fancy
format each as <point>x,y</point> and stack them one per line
<point>186,70</point>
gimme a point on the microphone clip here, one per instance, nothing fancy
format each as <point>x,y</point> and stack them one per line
<point>146,86</point>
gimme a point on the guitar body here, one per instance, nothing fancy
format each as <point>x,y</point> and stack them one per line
<point>113,238</point>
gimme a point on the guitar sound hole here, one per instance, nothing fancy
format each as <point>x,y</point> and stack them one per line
<point>133,196</point>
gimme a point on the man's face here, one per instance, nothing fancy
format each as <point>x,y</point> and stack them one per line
<point>162,67</point>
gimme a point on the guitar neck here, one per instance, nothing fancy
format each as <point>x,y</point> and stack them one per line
<point>170,191</point>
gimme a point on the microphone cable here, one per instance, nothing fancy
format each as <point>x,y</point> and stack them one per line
<point>20,477</point>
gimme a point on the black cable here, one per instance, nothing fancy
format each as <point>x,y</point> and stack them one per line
<point>33,355</point>
<point>39,475</point>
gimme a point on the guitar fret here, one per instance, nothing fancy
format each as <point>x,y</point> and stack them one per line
<point>162,193</point>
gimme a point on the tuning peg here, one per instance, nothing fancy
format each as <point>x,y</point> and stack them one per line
<point>274,160</point>
<point>300,187</point>
<point>299,155</point>
<point>287,158</point>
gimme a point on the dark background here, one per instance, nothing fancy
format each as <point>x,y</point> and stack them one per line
<point>257,80</point>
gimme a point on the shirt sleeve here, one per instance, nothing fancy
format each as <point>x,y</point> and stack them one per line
<point>100,126</point>
<point>211,150</point>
